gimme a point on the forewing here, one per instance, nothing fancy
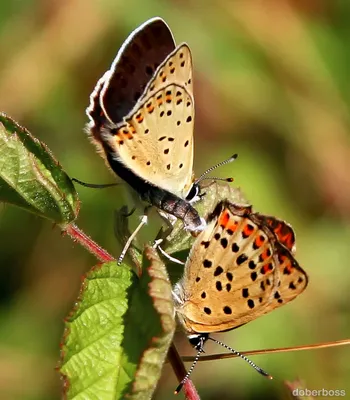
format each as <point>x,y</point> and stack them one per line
<point>156,142</point>
<point>134,66</point>
<point>176,69</point>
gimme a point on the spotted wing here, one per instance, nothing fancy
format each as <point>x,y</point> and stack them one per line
<point>237,270</point>
<point>177,69</point>
<point>134,66</point>
<point>156,141</point>
<point>283,231</point>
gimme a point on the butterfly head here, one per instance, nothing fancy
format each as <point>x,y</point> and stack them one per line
<point>194,193</point>
<point>197,340</point>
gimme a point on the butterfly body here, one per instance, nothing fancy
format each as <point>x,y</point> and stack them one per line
<point>160,198</point>
<point>141,120</point>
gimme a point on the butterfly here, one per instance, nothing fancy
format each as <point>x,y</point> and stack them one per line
<point>142,119</point>
<point>240,267</point>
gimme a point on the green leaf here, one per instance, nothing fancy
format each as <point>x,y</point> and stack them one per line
<point>31,178</point>
<point>117,337</point>
<point>152,321</point>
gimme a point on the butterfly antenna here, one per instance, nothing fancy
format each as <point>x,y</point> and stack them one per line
<point>189,372</point>
<point>258,369</point>
<point>94,185</point>
<point>216,178</point>
<point>220,164</point>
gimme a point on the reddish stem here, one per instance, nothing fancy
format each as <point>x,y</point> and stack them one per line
<point>180,371</point>
<point>190,391</point>
<point>79,236</point>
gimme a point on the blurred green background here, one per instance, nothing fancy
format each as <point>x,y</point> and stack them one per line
<point>272,84</point>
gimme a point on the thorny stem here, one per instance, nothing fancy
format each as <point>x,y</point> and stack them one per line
<point>79,236</point>
<point>180,371</point>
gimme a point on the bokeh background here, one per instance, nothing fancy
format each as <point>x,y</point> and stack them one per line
<point>272,84</point>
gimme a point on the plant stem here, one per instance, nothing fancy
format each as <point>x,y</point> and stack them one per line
<point>323,345</point>
<point>79,236</point>
<point>180,371</point>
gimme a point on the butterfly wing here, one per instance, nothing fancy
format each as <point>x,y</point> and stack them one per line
<point>165,156</point>
<point>176,69</point>
<point>119,89</point>
<point>96,115</point>
<point>135,64</point>
<point>236,272</point>
<point>284,232</point>
<point>156,141</point>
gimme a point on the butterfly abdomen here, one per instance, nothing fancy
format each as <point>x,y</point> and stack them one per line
<point>181,209</point>
<point>157,197</point>
<point>173,205</point>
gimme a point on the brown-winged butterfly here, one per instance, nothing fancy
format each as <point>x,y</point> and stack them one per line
<point>141,121</point>
<point>240,267</point>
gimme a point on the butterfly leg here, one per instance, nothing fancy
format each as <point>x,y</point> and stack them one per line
<point>143,222</point>
<point>168,256</point>
<point>130,213</point>
<point>169,220</point>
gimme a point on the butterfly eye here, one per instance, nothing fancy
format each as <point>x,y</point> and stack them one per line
<point>197,340</point>
<point>193,193</point>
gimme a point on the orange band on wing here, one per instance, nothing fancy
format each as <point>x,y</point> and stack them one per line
<point>224,219</point>
<point>259,241</point>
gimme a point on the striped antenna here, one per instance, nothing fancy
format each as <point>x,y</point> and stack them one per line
<point>220,164</point>
<point>202,340</point>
